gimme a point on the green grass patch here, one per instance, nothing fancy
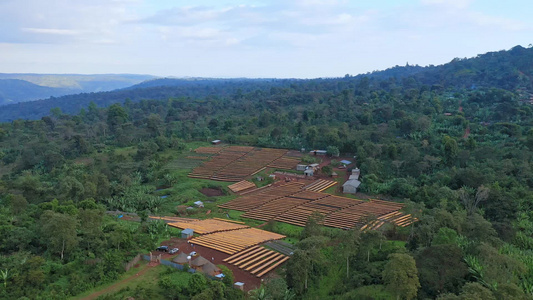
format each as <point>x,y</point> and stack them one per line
<point>376,292</point>
<point>146,276</point>
<point>327,285</point>
<point>334,190</point>
<point>291,240</point>
<point>126,151</point>
<point>182,163</point>
<point>288,230</point>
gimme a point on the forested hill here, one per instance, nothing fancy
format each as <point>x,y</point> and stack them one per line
<point>459,157</point>
<point>16,90</point>
<point>510,70</point>
<point>22,87</point>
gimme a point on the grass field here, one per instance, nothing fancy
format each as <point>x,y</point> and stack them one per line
<point>115,286</point>
<point>143,277</point>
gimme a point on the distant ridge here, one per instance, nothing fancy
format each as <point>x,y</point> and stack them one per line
<point>24,87</point>
<point>510,70</point>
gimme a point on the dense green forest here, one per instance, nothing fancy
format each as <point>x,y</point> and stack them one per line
<point>454,142</point>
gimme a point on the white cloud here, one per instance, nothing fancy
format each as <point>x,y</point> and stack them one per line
<point>455,4</point>
<point>497,22</point>
<point>301,38</point>
<point>51,31</point>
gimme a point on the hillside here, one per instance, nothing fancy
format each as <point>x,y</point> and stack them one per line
<point>445,165</point>
<point>16,88</point>
<point>509,70</point>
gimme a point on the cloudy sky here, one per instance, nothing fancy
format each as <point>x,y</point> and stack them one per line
<point>252,38</point>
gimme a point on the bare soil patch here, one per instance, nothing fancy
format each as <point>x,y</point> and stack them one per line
<point>212,192</point>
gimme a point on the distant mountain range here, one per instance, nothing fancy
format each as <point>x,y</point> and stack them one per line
<point>510,70</point>
<point>15,88</point>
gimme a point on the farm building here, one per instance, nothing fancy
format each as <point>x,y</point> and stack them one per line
<point>181,259</point>
<point>350,186</point>
<point>198,262</point>
<point>210,269</point>
<point>187,233</point>
<point>216,142</point>
<point>352,177</point>
<point>301,167</point>
<point>239,285</point>
<point>318,152</point>
<point>309,172</point>
<point>313,166</point>
<point>356,171</point>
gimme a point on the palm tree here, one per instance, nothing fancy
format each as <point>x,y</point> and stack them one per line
<point>4,275</point>
<point>259,294</point>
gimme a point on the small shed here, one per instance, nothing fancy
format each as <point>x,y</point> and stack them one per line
<point>301,167</point>
<point>239,285</point>
<point>334,175</point>
<point>187,233</point>
<point>199,204</point>
<point>356,171</point>
<point>181,259</point>
<point>216,142</point>
<point>309,172</point>
<point>350,186</point>
<point>356,177</point>
<point>314,166</point>
<point>318,152</point>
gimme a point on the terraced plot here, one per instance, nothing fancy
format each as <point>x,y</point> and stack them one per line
<point>241,186</point>
<point>320,185</point>
<point>285,163</point>
<point>325,206</point>
<point>257,260</point>
<point>258,198</point>
<point>208,226</point>
<point>290,204</point>
<point>397,218</point>
<point>357,215</point>
<point>234,163</point>
<point>233,241</point>
<point>274,208</point>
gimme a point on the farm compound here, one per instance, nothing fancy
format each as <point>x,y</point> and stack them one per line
<point>292,203</point>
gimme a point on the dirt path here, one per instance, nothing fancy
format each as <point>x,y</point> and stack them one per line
<point>117,285</point>
<point>467,132</point>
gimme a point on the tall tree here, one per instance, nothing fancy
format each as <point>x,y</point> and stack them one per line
<point>401,276</point>
<point>59,232</point>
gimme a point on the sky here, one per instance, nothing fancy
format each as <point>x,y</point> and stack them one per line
<point>252,38</point>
